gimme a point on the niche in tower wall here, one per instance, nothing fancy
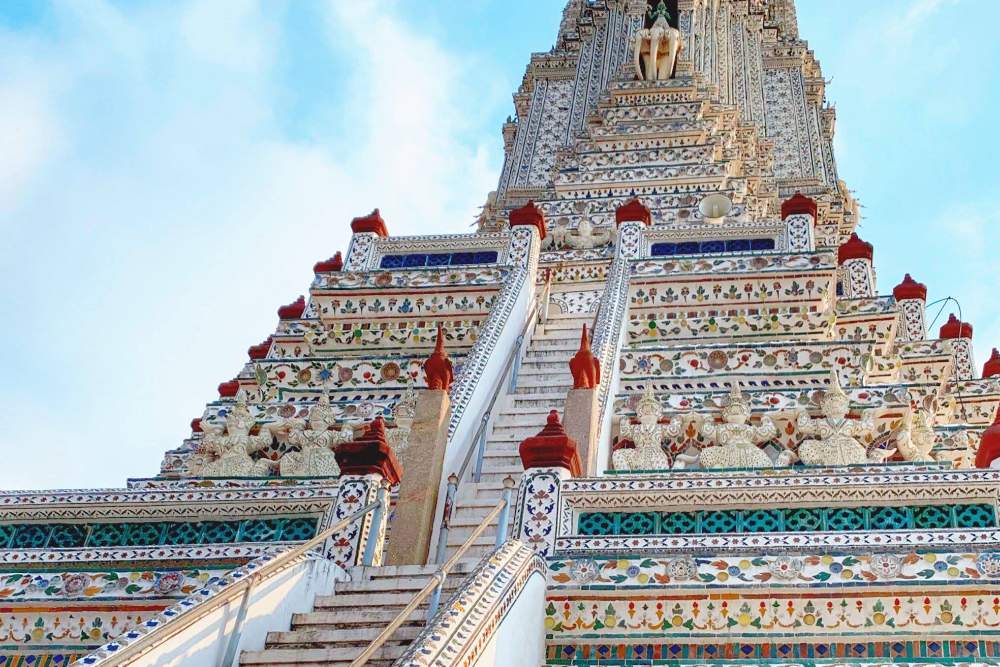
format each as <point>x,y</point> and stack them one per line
<point>671,7</point>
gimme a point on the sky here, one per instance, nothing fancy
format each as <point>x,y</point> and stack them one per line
<point>170,170</point>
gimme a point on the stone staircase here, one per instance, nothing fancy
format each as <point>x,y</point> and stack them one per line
<point>340,626</point>
<point>542,383</point>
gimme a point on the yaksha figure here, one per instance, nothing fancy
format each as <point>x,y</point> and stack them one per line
<point>315,441</point>
<point>737,440</point>
<point>656,48</point>
<point>647,436</point>
<point>584,238</point>
<point>229,453</point>
<point>838,442</point>
<point>917,438</point>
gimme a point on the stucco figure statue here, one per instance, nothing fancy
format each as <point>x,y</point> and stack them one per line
<point>228,452</point>
<point>315,441</point>
<point>736,440</point>
<point>916,440</point>
<point>584,237</point>
<point>647,436</point>
<point>837,442</point>
<point>403,413</point>
<point>656,48</point>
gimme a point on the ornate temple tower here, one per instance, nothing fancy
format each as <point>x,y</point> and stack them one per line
<point>728,444</point>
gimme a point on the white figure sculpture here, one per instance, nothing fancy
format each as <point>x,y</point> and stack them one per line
<point>585,237</point>
<point>736,439</point>
<point>315,441</point>
<point>403,413</point>
<point>656,48</point>
<point>228,453</point>
<point>647,436</point>
<point>916,440</point>
<point>838,442</point>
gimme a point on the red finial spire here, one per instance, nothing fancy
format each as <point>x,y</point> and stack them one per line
<point>294,310</point>
<point>633,211</point>
<point>910,289</point>
<point>229,389</point>
<point>551,448</point>
<point>438,369</point>
<point>370,455</point>
<point>196,425</point>
<point>989,445</point>
<point>260,351</point>
<point>955,328</point>
<point>992,367</point>
<point>586,369</point>
<point>799,204</point>
<point>855,248</point>
<point>529,214</point>
<point>371,223</point>
<point>335,263</point>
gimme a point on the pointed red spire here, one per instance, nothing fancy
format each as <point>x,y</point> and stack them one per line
<point>229,389</point>
<point>989,445</point>
<point>633,211</point>
<point>438,370</point>
<point>335,263</point>
<point>551,448</point>
<point>260,351</point>
<point>371,223</point>
<point>992,367</point>
<point>955,328</point>
<point>294,310</point>
<point>370,455</point>
<point>910,289</point>
<point>196,425</point>
<point>529,214</point>
<point>584,366</point>
<point>855,248</point>
<point>799,204</point>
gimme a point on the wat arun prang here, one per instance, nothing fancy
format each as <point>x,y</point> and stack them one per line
<point>728,443</point>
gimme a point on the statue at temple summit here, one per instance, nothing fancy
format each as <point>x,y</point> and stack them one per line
<point>837,442</point>
<point>656,48</point>
<point>736,440</point>
<point>647,436</point>
<point>228,453</point>
<point>315,441</point>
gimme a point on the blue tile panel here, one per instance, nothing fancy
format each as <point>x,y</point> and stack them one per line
<point>714,247</point>
<point>434,260</point>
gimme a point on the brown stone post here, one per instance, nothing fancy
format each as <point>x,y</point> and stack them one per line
<point>581,418</point>
<point>423,460</point>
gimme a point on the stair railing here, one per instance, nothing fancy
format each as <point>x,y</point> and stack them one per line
<point>538,313</point>
<point>254,572</point>
<point>435,586</point>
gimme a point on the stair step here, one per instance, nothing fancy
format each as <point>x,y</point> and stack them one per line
<point>320,657</point>
<point>351,617</point>
<point>359,637</point>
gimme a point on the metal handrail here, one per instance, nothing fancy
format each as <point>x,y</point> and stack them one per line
<point>182,622</point>
<point>435,585</point>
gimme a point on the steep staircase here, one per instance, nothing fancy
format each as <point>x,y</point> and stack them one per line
<point>340,626</point>
<point>542,383</point>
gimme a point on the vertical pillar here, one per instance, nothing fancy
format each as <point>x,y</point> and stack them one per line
<point>857,269</point>
<point>800,214</point>
<point>424,463</point>
<point>366,464</point>
<point>911,299</point>
<point>958,337</point>
<point>548,458</point>
<point>367,230</point>
<point>580,416</point>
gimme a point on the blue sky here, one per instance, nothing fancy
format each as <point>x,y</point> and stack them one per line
<point>172,169</point>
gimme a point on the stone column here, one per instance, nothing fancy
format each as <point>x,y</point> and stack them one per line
<point>799,214</point>
<point>958,340</point>
<point>581,415</point>
<point>367,230</point>
<point>366,464</point>
<point>423,459</point>
<point>911,300</point>
<point>548,458</point>
<point>857,269</point>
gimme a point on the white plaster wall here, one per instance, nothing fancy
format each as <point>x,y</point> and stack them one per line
<point>271,605</point>
<point>520,639</point>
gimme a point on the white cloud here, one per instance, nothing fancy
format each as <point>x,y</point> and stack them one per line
<point>170,213</point>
